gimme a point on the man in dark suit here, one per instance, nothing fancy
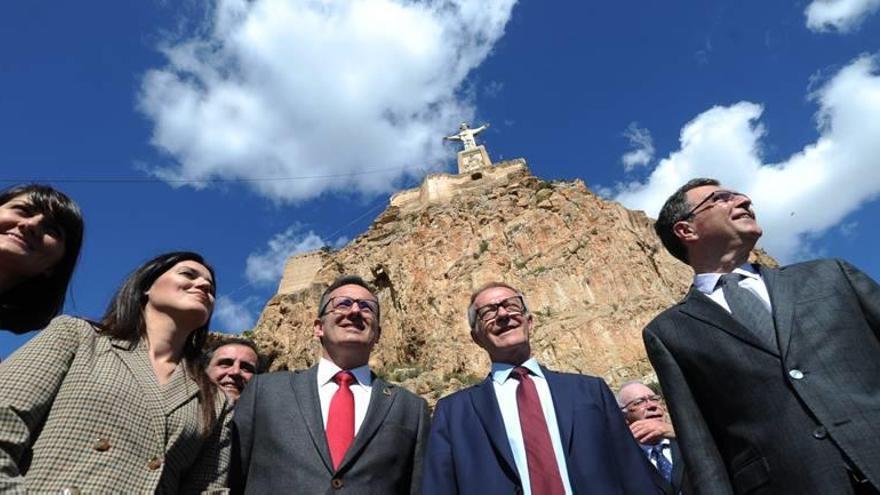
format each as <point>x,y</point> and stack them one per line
<point>527,429</point>
<point>644,413</point>
<point>335,427</point>
<point>772,376</point>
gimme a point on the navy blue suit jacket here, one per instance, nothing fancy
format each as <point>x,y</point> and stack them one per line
<point>468,451</point>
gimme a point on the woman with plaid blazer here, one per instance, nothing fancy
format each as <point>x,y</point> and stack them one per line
<point>121,405</point>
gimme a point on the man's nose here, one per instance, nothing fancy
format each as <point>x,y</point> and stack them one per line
<point>235,369</point>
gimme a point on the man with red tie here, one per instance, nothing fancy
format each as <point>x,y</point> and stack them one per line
<point>526,429</point>
<point>335,427</point>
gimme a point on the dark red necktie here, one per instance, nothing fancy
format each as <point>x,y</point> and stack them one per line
<point>340,419</point>
<point>543,470</point>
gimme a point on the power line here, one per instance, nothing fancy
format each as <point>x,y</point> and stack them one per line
<point>132,179</point>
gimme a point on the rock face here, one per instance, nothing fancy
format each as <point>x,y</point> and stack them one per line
<point>593,274</point>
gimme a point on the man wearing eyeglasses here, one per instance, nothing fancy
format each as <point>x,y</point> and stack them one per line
<point>526,429</point>
<point>772,376</point>
<point>644,413</point>
<point>335,427</point>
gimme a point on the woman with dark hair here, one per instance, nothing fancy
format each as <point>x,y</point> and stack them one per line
<point>41,232</point>
<point>121,405</point>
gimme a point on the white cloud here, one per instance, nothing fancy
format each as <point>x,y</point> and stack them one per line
<point>839,15</point>
<point>232,316</point>
<point>266,267</point>
<point>640,139</point>
<point>280,88</point>
<point>801,197</point>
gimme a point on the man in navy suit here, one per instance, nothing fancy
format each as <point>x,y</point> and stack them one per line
<point>644,413</point>
<point>526,429</point>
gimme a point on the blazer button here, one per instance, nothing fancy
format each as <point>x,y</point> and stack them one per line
<point>101,445</point>
<point>336,483</point>
<point>154,463</point>
<point>796,374</point>
<point>820,433</point>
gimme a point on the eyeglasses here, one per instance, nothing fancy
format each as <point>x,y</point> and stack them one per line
<point>343,304</point>
<point>719,196</point>
<point>514,305</point>
<point>641,402</point>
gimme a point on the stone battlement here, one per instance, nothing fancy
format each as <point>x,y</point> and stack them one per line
<point>300,271</point>
<point>439,188</point>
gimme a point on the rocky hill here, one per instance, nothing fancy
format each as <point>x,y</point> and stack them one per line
<point>593,273</point>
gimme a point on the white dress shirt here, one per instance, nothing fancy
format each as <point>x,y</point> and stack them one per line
<point>707,283</point>
<point>505,392</point>
<point>666,451</point>
<point>360,389</point>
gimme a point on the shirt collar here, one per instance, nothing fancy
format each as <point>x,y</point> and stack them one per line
<point>706,282</point>
<point>327,369</point>
<point>663,443</point>
<point>501,371</point>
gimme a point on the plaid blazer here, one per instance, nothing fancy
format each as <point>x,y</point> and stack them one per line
<point>84,412</point>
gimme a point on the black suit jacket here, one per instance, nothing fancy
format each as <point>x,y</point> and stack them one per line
<point>280,446</point>
<point>781,419</point>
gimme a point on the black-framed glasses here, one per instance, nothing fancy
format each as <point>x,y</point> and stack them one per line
<point>641,402</point>
<point>719,196</point>
<point>514,305</point>
<point>344,304</point>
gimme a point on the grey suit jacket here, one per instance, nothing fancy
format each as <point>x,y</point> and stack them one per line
<point>279,444</point>
<point>79,410</point>
<point>781,419</point>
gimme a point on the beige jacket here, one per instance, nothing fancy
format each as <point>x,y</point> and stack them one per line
<point>80,411</point>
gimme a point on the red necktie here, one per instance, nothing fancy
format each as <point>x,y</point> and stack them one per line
<point>340,419</point>
<point>543,471</point>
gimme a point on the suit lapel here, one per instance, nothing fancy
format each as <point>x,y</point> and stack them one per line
<point>564,409</point>
<point>305,389</point>
<point>382,397</point>
<point>135,358</point>
<point>782,301</point>
<point>486,406</point>
<point>699,306</point>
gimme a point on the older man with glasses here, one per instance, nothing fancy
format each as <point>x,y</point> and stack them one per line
<point>644,413</point>
<point>772,376</point>
<point>335,427</point>
<point>526,429</point>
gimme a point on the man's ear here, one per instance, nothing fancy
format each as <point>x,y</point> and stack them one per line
<point>319,328</point>
<point>685,231</point>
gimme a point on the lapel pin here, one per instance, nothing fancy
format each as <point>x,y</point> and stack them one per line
<point>387,391</point>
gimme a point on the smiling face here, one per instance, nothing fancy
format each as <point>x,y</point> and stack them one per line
<point>504,333</point>
<point>185,293</point>
<point>232,366</point>
<point>30,244</point>
<point>719,223</point>
<point>647,410</point>
<point>351,329</point>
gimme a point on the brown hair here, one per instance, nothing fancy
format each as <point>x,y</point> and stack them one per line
<point>124,319</point>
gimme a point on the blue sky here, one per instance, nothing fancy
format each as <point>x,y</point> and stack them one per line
<point>298,119</point>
